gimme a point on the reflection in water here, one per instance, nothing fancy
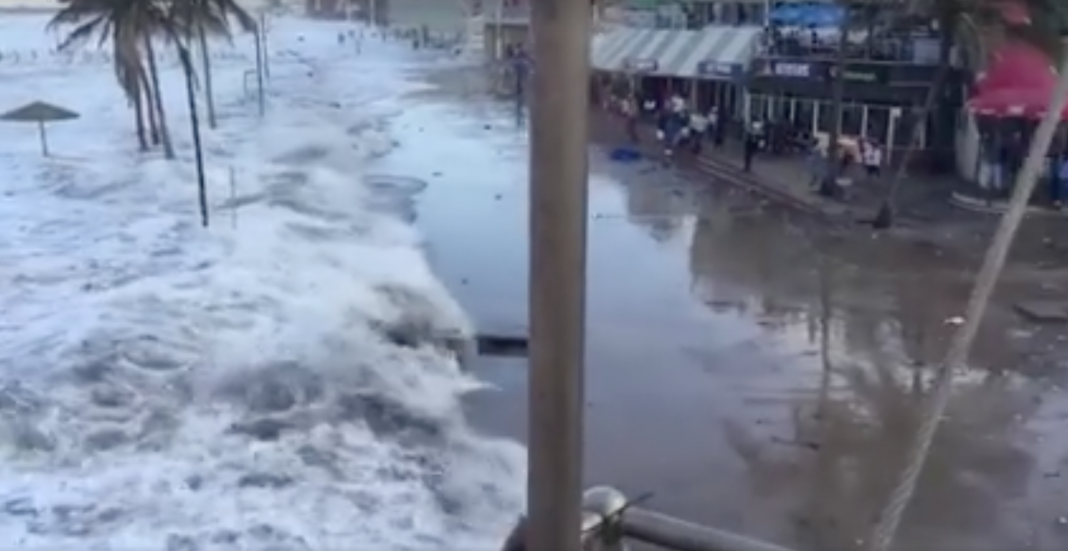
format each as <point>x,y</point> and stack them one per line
<point>877,334</point>
<point>657,204</point>
<point>742,261</point>
<point>848,446</point>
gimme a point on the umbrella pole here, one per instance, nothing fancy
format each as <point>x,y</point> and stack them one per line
<point>43,134</point>
<point>558,196</point>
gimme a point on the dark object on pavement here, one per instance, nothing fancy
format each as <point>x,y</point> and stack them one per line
<point>509,346</point>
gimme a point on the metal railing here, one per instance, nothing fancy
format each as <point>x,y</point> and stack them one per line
<point>609,520</point>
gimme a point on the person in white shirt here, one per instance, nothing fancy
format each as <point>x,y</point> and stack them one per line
<point>872,157</point>
<point>713,125</point>
<point>678,105</point>
<point>698,128</point>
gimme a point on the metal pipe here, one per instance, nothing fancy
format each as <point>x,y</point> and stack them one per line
<point>679,535</point>
<point>558,196</point>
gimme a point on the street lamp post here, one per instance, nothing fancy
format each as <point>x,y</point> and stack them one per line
<point>558,197</point>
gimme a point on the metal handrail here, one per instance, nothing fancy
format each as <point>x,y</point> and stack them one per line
<point>609,519</point>
<point>680,535</point>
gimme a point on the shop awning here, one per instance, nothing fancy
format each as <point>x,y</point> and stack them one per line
<point>721,53</point>
<point>631,50</point>
<point>715,52</point>
<point>1018,82</point>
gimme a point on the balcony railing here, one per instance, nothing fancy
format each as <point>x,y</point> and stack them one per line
<point>889,50</point>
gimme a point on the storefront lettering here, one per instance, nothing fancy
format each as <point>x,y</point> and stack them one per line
<point>641,65</point>
<point>716,68</point>
<point>793,70</point>
<point>856,75</point>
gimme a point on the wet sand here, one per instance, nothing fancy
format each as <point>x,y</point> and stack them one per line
<point>752,371</point>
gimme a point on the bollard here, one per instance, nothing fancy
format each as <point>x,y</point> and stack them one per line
<point>602,519</point>
<point>609,518</point>
<point>600,526</point>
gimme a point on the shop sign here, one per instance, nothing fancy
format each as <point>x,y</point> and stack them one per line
<point>863,75</point>
<point>718,69</point>
<point>638,65</point>
<point>790,69</point>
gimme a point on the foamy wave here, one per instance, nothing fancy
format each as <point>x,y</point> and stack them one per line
<point>284,379</point>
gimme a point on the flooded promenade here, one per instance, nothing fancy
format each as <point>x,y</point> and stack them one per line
<point>751,369</point>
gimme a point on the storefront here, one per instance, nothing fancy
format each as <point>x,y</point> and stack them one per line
<point>705,66</point>
<point>719,84</point>
<point>878,100</point>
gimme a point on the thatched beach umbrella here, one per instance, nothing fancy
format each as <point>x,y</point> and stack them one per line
<point>40,113</point>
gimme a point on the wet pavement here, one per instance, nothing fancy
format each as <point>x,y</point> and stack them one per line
<point>750,369</point>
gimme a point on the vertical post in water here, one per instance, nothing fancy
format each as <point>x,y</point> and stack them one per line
<point>266,55</point>
<point>259,69</point>
<point>558,195</point>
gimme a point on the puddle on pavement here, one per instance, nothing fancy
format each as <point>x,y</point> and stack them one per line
<point>753,370</point>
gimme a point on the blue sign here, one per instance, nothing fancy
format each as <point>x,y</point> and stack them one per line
<point>813,15</point>
<point>719,69</point>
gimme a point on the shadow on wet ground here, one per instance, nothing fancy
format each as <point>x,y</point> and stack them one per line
<point>752,370</point>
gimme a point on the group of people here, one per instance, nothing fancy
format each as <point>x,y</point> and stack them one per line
<point>681,128</point>
<point>863,156</point>
<point>678,126</point>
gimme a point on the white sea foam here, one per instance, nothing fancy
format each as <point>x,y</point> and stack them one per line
<point>252,385</point>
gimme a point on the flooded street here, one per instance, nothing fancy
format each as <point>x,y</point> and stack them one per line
<point>750,369</point>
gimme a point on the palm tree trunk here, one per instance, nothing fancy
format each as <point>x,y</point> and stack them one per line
<point>828,187</point>
<point>138,98</point>
<point>205,62</point>
<point>149,105</point>
<point>884,218</point>
<point>194,122</point>
<point>157,97</point>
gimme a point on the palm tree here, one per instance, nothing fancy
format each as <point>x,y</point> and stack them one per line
<point>978,18</point>
<point>174,22</point>
<point>211,17</point>
<point>132,24</point>
<point>129,25</point>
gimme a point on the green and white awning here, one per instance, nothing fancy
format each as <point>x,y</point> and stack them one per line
<point>676,52</point>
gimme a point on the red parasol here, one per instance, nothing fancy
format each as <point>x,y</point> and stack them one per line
<point>1030,103</point>
<point>1018,83</point>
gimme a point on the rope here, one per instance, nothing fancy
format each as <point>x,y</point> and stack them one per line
<point>993,263</point>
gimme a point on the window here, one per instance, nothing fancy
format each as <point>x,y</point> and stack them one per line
<point>878,123</point>
<point>852,119</point>
<point>758,107</point>
<point>826,121</point>
<point>903,132</point>
<point>804,110</point>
